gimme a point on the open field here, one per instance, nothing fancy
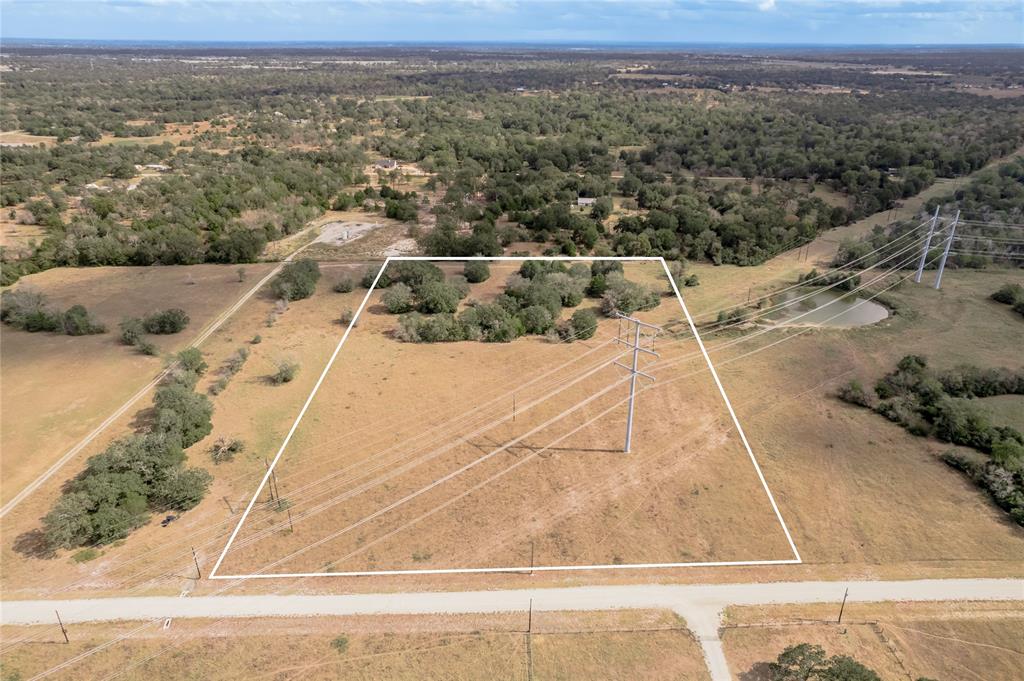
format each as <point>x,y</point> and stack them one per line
<point>56,388</point>
<point>590,645</point>
<point>17,138</point>
<point>898,641</point>
<point>547,485</point>
<point>248,408</point>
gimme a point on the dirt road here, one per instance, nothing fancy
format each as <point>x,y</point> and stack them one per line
<point>700,605</point>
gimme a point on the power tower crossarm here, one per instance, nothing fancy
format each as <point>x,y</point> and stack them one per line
<point>636,346</point>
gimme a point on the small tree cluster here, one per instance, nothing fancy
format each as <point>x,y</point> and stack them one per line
<point>172,320</point>
<point>286,371</point>
<point>297,280</point>
<point>626,297</point>
<point>28,309</point>
<point>476,271</point>
<point>942,404</point>
<point>140,474</point>
<point>224,449</point>
<point>808,662</point>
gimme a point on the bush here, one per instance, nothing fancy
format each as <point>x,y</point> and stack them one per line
<point>476,271</point>
<point>490,323</point>
<point>191,359</point>
<point>285,373</point>
<point>147,348</point>
<point>438,296</point>
<point>340,644</point>
<point>297,280</point>
<point>27,309</point>
<point>854,393</point>
<point>224,449</point>
<point>182,412</point>
<point>168,321</point>
<point>345,285</point>
<point>347,315</point>
<point>131,330</point>
<point>1009,294</point>
<point>78,322</point>
<point>627,297</point>
<point>583,324</point>
<point>692,280</point>
<point>417,328</point>
<point>369,275</point>
<point>398,299</point>
<point>412,273</point>
<point>536,319</point>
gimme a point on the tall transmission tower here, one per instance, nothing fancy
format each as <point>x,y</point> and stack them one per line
<point>632,336</point>
<point>927,245</point>
<point>945,252</point>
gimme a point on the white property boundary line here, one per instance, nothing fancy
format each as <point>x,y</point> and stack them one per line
<point>302,412</point>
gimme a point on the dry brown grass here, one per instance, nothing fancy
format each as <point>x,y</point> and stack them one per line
<point>383,426</point>
<point>601,645</point>
<point>904,641</point>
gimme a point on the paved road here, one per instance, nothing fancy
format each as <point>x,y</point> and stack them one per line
<point>700,605</point>
<point>206,333</point>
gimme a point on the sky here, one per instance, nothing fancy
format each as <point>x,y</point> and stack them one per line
<point>586,21</point>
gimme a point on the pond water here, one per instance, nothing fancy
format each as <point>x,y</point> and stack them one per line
<point>826,308</point>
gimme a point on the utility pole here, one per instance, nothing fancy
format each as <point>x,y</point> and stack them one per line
<point>529,644</point>
<point>65,631</point>
<point>290,526</point>
<point>195,559</point>
<point>945,253</point>
<point>927,245</point>
<point>270,483</point>
<point>635,345</point>
<point>842,607</point>
<point>229,505</point>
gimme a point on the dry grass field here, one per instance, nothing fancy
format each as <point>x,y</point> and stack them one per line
<point>596,645</point>
<point>857,490</point>
<point>57,388</point>
<point>249,408</point>
<point>948,641</point>
<point>410,457</point>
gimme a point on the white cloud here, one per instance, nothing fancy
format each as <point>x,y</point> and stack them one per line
<point>766,5</point>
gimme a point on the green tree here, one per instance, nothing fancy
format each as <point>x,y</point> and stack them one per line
<point>297,280</point>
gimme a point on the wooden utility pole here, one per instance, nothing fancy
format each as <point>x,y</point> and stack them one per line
<point>62,629</point>
<point>842,607</point>
<point>529,643</point>
<point>195,559</point>
<point>229,505</point>
<point>290,526</point>
<point>270,486</point>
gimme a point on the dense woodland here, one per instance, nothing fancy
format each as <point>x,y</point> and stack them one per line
<point>249,148</point>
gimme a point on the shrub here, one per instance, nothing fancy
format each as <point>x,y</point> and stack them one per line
<point>168,321</point>
<point>183,412</point>
<point>583,324</point>
<point>131,330</point>
<point>692,280</point>
<point>398,299</point>
<point>224,449</point>
<point>257,339</point>
<point>27,309</point>
<point>490,323</point>
<point>412,273</point>
<point>417,328</point>
<point>297,280</point>
<point>531,268</point>
<point>147,348</point>
<point>234,363</point>
<point>345,285</point>
<point>368,277</point>
<point>437,296</point>
<point>570,289</point>
<point>285,373</point>
<point>1010,294</point>
<point>854,393</point>
<point>536,319</point>
<point>476,271</point>
<point>78,322</point>
<point>340,644</point>
<point>627,297</point>
<point>191,359</point>
<point>85,555</point>
<point>347,315</point>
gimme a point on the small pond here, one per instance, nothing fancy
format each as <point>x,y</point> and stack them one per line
<point>826,308</point>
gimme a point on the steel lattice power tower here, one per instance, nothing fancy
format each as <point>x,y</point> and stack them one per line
<point>632,336</point>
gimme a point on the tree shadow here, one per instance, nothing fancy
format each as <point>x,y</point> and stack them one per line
<point>761,671</point>
<point>33,544</point>
<point>144,419</point>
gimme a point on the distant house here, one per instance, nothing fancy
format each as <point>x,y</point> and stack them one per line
<point>585,201</point>
<point>387,164</point>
